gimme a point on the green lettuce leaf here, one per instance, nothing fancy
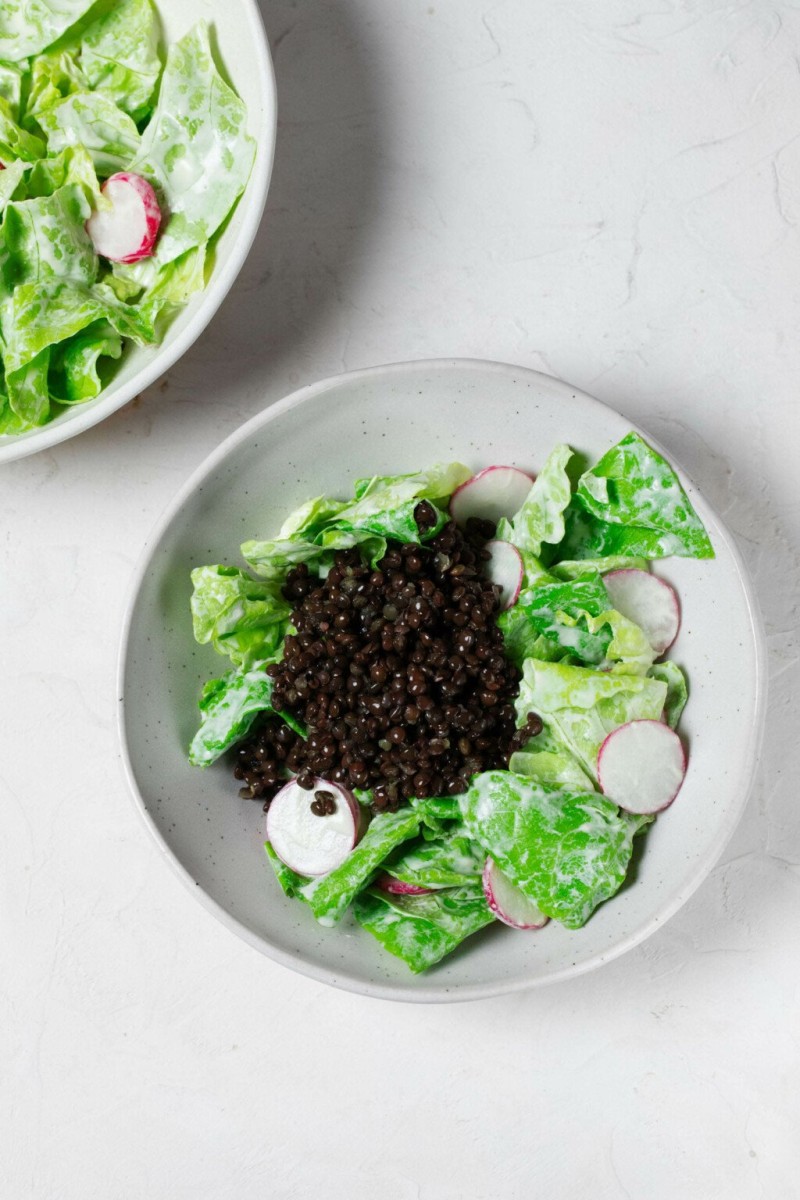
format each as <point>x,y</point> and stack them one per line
<point>53,76</point>
<point>541,518</point>
<point>28,398</point>
<point>583,706</point>
<point>330,895</point>
<point>290,882</point>
<point>195,149</point>
<point>74,375</point>
<point>677,690</point>
<point>632,503</point>
<point>229,706</point>
<point>119,56</point>
<point>16,142</point>
<point>92,120</point>
<point>46,237</point>
<point>568,851</point>
<point>240,616</point>
<point>447,861</point>
<point>385,504</point>
<point>421,930</point>
<point>72,166</point>
<point>575,568</point>
<point>28,26</point>
<point>11,76</point>
<point>548,760</point>
<point>559,612</point>
<point>10,180</point>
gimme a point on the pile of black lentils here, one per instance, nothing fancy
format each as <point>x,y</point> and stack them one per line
<point>398,675</point>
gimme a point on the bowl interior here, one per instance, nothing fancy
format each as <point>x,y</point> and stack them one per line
<point>242,54</point>
<point>392,420</point>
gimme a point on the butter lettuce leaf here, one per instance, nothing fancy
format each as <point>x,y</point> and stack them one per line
<point>331,894</point>
<point>120,56</point>
<point>195,149</point>
<point>583,706</point>
<point>28,26</point>
<point>442,862</point>
<point>632,503</point>
<point>240,616</point>
<point>94,121</point>
<point>421,930</point>
<point>291,883</point>
<point>229,706</point>
<point>677,690</point>
<point>567,850</point>
<point>541,518</point>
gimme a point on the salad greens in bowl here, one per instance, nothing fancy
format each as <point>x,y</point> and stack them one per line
<point>133,174</point>
<point>445,723</point>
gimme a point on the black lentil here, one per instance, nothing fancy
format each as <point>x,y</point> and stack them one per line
<point>398,675</point>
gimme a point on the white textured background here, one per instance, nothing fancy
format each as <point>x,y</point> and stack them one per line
<point>608,190</point>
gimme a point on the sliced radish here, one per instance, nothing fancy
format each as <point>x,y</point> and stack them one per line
<point>308,843</point>
<point>641,766</point>
<point>127,230</point>
<point>505,569</point>
<point>493,493</point>
<point>507,902</point>
<point>396,887</point>
<point>648,601</point>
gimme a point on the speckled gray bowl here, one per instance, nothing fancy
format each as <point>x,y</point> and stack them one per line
<point>392,419</point>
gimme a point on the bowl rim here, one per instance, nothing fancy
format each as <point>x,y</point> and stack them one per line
<point>432,993</point>
<point>94,411</point>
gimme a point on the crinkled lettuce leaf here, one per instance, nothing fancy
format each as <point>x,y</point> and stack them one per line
<point>16,142</point>
<point>195,149</point>
<point>632,503</point>
<point>291,883</point>
<point>53,77</point>
<point>541,518</point>
<point>240,616</point>
<point>331,894</point>
<point>46,237</point>
<point>229,706</point>
<point>11,76</point>
<point>567,850</point>
<point>119,56</point>
<point>446,861</point>
<point>575,568</point>
<point>10,180</point>
<point>92,120</point>
<point>385,504</point>
<point>560,612</point>
<point>28,26</point>
<point>421,930</point>
<point>677,690</point>
<point>547,759</point>
<point>75,364</point>
<point>583,706</point>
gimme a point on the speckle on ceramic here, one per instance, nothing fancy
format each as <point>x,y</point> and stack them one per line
<point>392,419</point>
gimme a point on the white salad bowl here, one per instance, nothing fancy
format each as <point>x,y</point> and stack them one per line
<point>242,52</point>
<point>382,421</point>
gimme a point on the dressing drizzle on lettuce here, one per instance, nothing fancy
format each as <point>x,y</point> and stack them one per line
<point>586,670</point>
<point>83,97</point>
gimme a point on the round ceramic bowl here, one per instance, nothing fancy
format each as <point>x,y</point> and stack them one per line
<point>243,53</point>
<point>383,421</point>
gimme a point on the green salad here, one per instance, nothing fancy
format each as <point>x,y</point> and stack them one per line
<point>340,613</point>
<point>120,164</point>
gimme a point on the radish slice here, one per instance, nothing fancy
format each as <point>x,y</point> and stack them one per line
<point>127,230</point>
<point>641,766</point>
<point>493,493</point>
<point>648,601</point>
<point>396,887</point>
<point>505,569</point>
<point>507,902</point>
<point>310,844</point>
